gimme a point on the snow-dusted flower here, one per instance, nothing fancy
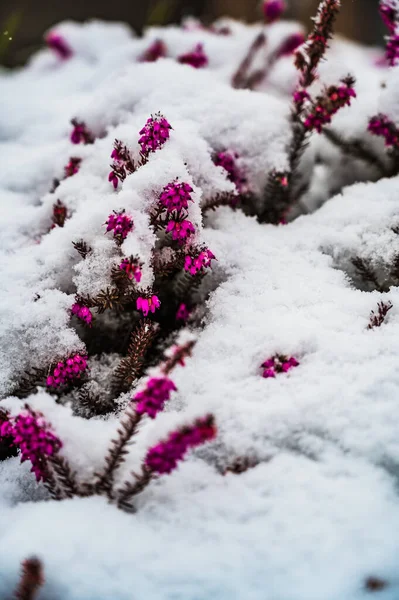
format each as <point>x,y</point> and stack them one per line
<point>131,268</point>
<point>80,133</point>
<point>278,364</point>
<point>273,9</point>
<point>72,167</point>
<point>176,196</point>
<point>327,105</point>
<point>389,15</point>
<point>290,44</point>
<point>164,457</point>
<point>112,178</point>
<point>67,370</point>
<point>60,214</point>
<point>227,160</point>
<point>392,49</point>
<point>120,223</point>
<point>196,58</point>
<point>59,45</point>
<point>181,230</point>
<point>148,304</point>
<point>196,263</point>
<point>82,312</point>
<point>32,435</point>
<point>381,125</point>
<point>155,51</point>
<point>182,312</point>
<point>154,134</point>
<point>152,399</point>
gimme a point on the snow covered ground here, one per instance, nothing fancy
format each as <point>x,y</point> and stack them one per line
<point>317,512</point>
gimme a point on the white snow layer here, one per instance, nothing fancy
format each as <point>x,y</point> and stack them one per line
<point>320,512</point>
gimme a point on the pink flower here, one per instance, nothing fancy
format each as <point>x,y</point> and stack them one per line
<point>194,264</point>
<point>392,50</point>
<point>273,9</point>
<point>32,435</point>
<point>120,223</point>
<point>164,457</point>
<point>227,160</point>
<point>381,125</point>
<point>68,370</point>
<point>278,364</point>
<point>59,45</point>
<point>290,44</point>
<point>196,58</point>
<point>154,52</point>
<point>82,312</point>
<point>131,268</point>
<point>181,230</point>
<point>335,98</point>
<point>80,133</point>
<point>152,399</point>
<point>146,305</point>
<point>182,312</point>
<point>112,178</point>
<point>72,167</point>
<point>154,134</point>
<point>176,196</point>
<point>389,16</point>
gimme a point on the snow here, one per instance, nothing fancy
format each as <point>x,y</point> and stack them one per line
<point>316,516</point>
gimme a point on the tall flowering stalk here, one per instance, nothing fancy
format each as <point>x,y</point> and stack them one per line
<point>389,11</point>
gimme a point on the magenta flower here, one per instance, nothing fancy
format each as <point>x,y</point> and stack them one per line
<point>112,178</point>
<point>389,16</point>
<point>149,304</point>
<point>196,58</point>
<point>273,9</point>
<point>182,312</point>
<point>80,133</point>
<point>181,230</point>
<point>329,104</point>
<point>194,264</point>
<point>392,50</point>
<point>176,196</point>
<point>155,51</point>
<point>67,370</point>
<point>278,364</point>
<point>164,457</point>
<point>131,268</point>
<point>82,312</point>
<point>152,399</point>
<point>72,167</point>
<point>59,45</point>
<point>227,160</point>
<point>381,125</point>
<point>60,214</point>
<point>32,435</point>
<point>290,44</point>
<point>154,134</point>
<point>120,223</point>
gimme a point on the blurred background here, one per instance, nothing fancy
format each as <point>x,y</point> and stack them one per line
<point>23,22</point>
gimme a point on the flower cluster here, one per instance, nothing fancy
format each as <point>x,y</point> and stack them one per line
<point>122,165</point>
<point>131,267</point>
<point>80,133</point>
<point>382,126</point>
<point>176,196</point>
<point>155,51</point>
<point>72,167</point>
<point>278,364</point>
<point>196,58</point>
<point>196,263</point>
<point>390,16</point>
<point>227,160</point>
<point>68,370</point>
<point>392,49</point>
<point>154,134</point>
<point>31,434</point>
<point>120,223</point>
<point>152,399</point>
<point>181,230</point>
<point>59,45</point>
<point>164,457</point>
<point>273,9</point>
<point>148,304</point>
<point>327,105</point>
<point>82,312</point>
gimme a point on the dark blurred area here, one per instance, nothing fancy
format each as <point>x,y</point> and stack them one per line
<point>23,22</point>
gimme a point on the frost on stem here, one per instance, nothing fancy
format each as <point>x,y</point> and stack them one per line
<point>377,319</point>
<point>32,579</point>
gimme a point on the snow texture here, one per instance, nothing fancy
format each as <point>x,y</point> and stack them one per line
<point>319,513</point>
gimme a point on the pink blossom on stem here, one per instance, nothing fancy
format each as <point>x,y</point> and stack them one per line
<point>181,230</point>
<point>273,9</point>
<point>196,58</point>
<point>392,49</point>
<point>196,263</point>
<point>67,370</point>
<point>152,399</point>
<point>59,45</point>
<point>154,134</point>
<point>389,15</point>
<point>82,312</point>
<point>155,51</point>
<point>165,456</point>
<point>80,133</point>
<point>131,268</point>
<point>227,160</point>
<point>72,167</point>
<point>112,178</point>
<point>148,304</point>
<point>120,223</point>
<point>327,105</point>
<point>32,435</point>
<point>278,364</point>
<point>176,196</point>
<point>290,44</point>
<point>182,312</point>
